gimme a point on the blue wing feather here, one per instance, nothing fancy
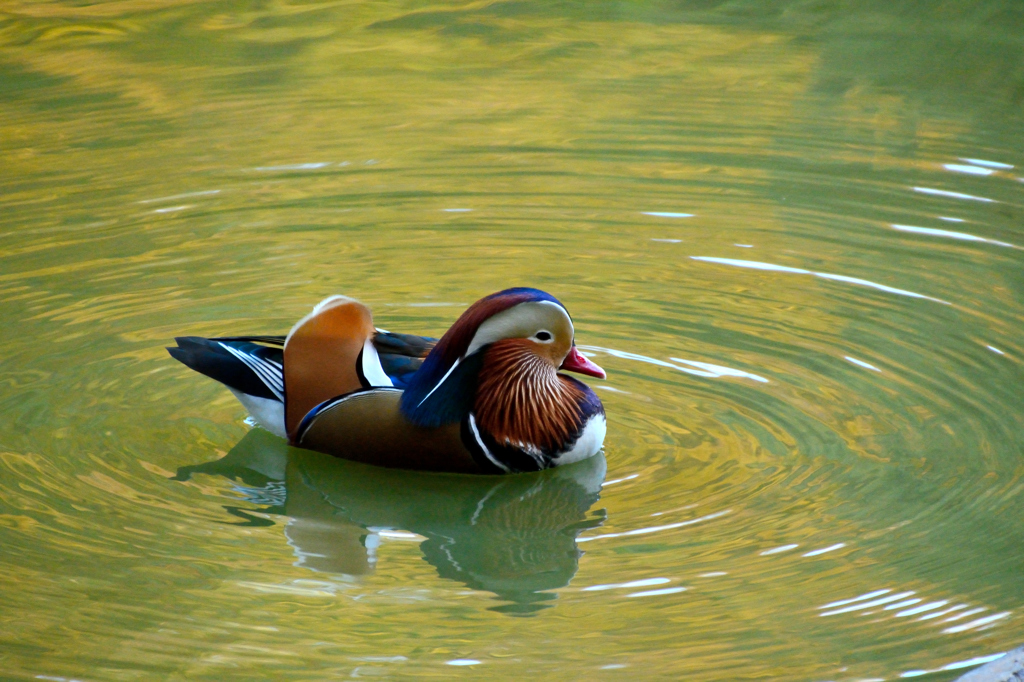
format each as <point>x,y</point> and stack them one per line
<point>401,355</point>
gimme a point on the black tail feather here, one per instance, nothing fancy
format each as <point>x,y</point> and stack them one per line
<point>208,357</point>
<point>265,339</point>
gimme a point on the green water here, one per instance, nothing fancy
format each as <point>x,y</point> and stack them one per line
<point>814,380</point>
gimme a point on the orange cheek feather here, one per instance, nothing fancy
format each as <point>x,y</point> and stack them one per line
<point>521,400</point>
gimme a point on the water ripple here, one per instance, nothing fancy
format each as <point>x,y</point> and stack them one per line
<point>705,369</point>
<point>952,195</point>
<point>654,529</point>
<point>755,265</point>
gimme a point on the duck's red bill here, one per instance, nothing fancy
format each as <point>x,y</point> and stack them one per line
<point>575,362</point>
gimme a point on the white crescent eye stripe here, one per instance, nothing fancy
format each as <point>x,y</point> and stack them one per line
<point>508,323</point>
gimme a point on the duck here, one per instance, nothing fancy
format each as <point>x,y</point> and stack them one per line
<point>488,397</point>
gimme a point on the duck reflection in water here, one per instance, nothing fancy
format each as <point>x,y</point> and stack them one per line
<point>514,536</point>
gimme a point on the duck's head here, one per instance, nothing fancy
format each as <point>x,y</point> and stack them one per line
<point>523,336</point>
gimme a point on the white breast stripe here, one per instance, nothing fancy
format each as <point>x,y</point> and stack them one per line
<point>480,442</point>
<point>372,369</point>
<point>267,373</point>
<point>438,385</point>
<point>589,442</point>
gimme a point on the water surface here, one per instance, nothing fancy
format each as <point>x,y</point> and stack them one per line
<point>791,233</point>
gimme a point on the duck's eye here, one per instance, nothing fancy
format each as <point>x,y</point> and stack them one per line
<point>543,336</point>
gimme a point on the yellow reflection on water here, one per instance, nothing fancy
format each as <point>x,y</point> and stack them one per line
<point>777,443</point>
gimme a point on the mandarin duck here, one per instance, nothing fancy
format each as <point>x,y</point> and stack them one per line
<point>487,397</point>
